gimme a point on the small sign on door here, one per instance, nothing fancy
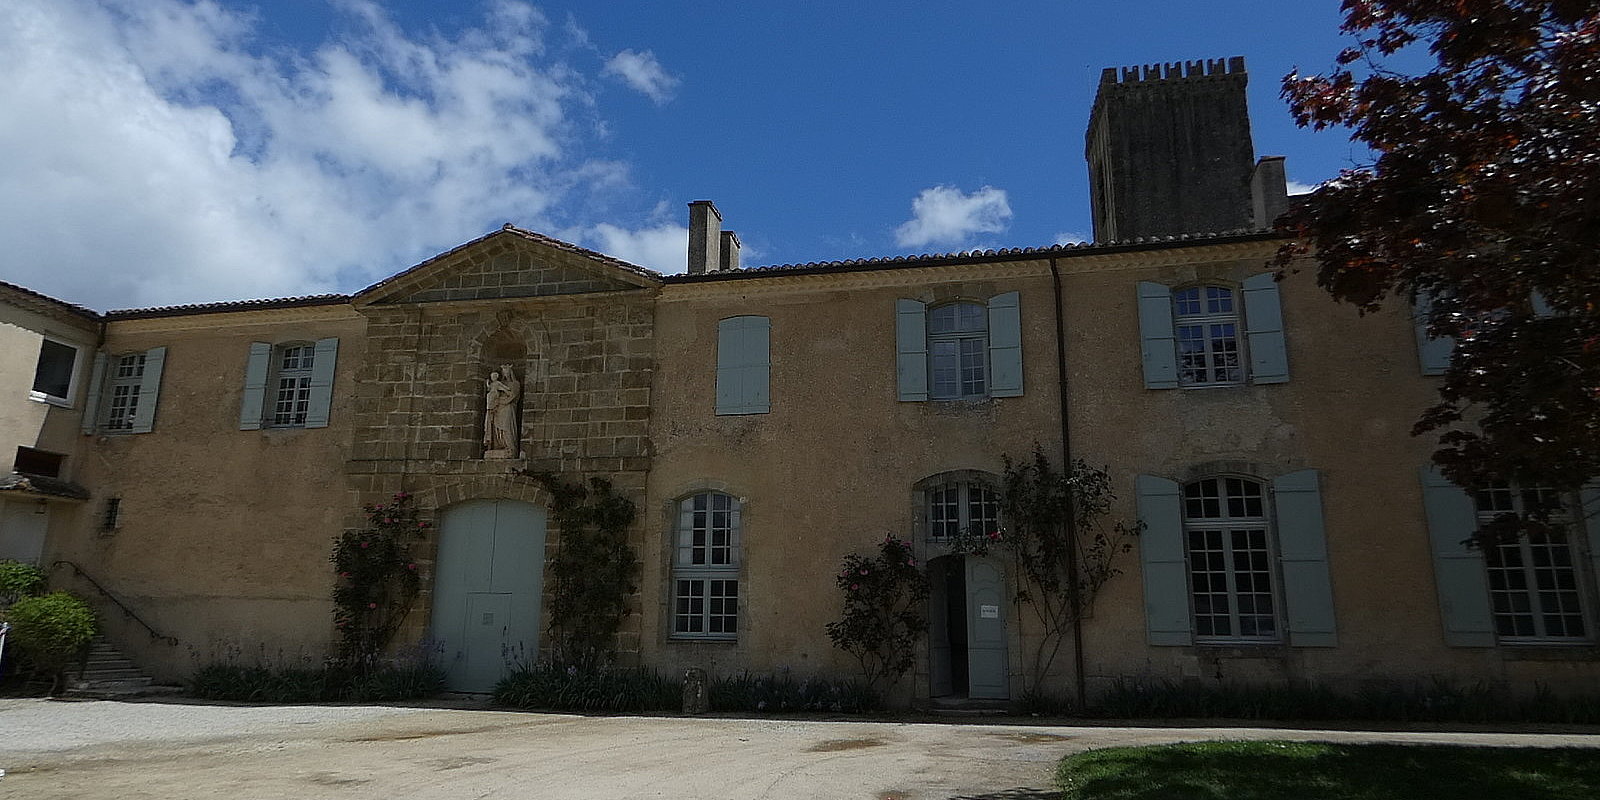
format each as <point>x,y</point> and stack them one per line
<point>988,612</point>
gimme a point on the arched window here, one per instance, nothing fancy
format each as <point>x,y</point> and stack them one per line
<point>1206,326</point>
<point>958,344</point>
<point>124,381</point>
<point>705,567</point>
<point>1535,587</point>
<point>1230,553</point>
<point>291,383</point>
<point>962,505</point>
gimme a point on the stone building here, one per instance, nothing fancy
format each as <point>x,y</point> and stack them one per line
<point>768,421</point>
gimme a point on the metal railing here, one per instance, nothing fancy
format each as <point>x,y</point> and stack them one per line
<point>126,612</point>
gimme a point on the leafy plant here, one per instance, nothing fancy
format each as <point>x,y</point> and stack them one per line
<point>325,684</point>
<point>570,687</point>
<point>18,580</point>
<point>1059,542</point>
<point>885,605</point>
<point>780,693</point>
<point>593,570</point>
<point>50,631</point>
<point>377,579</point>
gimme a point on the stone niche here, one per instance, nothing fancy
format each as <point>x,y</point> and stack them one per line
<point>504,367</point>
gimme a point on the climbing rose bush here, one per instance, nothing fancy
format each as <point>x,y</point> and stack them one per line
<point>885,599</point>
<point>377,579</point>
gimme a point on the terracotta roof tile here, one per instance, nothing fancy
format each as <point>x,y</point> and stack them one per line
<point>231,305</point>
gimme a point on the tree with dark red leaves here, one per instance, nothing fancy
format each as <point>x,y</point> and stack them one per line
<point>1482,206</point>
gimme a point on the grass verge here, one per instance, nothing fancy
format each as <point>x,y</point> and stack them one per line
<point>1318,771</point>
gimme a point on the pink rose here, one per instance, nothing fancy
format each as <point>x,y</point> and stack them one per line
<point>372,605</point>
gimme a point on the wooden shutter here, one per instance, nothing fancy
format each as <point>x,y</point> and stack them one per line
<point>144,415</point>
<point>1263,320</point>
<point>321,395</point>
<point>1433,354</point>
<point>1005,345</point>
<point>1458,571</point>
<point>91,400</point>
<point>1155,336</point>
<point>1303,555</point>
<point>911,348</point>
<point>255,386</point>
<point>744,365</point>
<point>1166,578</point>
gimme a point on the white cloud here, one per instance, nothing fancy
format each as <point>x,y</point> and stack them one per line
<point>1296,187</point>
<point>663,248</point>
<point>943,214</point>
<point>644,73</point>
<point>152,157</point>
<point>1069,237</point>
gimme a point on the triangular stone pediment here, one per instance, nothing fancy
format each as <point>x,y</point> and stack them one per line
<point>508,263</point>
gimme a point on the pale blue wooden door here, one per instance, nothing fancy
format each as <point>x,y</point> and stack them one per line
<point>986,631</point>
<point>487,587</point>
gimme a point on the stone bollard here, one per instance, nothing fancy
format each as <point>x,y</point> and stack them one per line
<point>695,700</point>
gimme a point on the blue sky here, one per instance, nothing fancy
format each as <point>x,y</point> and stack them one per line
<point>168,151</point>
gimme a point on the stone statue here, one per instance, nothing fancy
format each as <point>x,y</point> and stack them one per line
<point>501,397</point>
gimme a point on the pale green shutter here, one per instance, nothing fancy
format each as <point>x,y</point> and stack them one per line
<point>1458,570</point>
<point>1433,354</point>
<point>255,386</point>
<point>91,400</point>
<point>1589,496</point>
<point>1155,336</point>
<point>744,365</point>
<point>1303,554</point>
<point>1263,320</point>
<point>1541,304</point>
<point>1161,555</point>
<point>911,348</point>
<point>1005,345</point>
<point>321,394</point>
<point>144,414</point>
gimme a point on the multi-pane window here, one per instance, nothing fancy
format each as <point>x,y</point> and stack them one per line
<point>1206,324</point>
<point>705,596</point>
<point>962,506</point>
<point>122,399</point>
<point>958,342</point>
<point>1230,560</point>
<point>1535,589</point>
<point>292,398</point>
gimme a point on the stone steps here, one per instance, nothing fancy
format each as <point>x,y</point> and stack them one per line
<point>108,674</point>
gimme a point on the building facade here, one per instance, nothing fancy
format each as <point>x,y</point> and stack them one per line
<point>769,421</point>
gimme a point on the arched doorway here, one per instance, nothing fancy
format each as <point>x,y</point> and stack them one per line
<point>487,588</point>
<point>967,629</point>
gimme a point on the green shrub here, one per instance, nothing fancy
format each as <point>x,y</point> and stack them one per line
<point>19,580</point>
<point>51,630</point>
<point>557,687</point>
<point>780,693</point>
<point>327,684</point>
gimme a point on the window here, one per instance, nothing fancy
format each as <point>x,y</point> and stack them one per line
<point>42,463</point>
<point>958,341</point>
<point>292,385</point>
<point>111,518</point>
<point>1535,587</point>
<point>962,350</point>
<point>970,506</point>
<point>1230,560</point>
<point>705,574</point>
<point>55,376</point>
<point>1206,323</point>
<point>1212,335</point>
<point>288,385</point>
<point>122,401</point>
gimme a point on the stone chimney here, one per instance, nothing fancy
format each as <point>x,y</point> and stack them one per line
<point>705,237</point>
<point>1269,191</point>
<point>730,250</point>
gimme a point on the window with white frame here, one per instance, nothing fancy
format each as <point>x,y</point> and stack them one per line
<point>55,375</point>
<point>123,385</point>
<point>291,384</point>
<point>957,506</point>
<point>705,573</point>
<point>1536,589</point>
<point>1206,327</point>
<point>958,345</point>
<point>1229,550</point>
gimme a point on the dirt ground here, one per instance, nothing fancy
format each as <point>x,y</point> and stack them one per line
<point>106,750</point>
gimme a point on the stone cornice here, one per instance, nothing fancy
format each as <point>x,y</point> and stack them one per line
<point>429,307</point>
<point>341,312</point>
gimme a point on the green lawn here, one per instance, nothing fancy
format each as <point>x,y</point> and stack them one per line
<point>1311,771</point>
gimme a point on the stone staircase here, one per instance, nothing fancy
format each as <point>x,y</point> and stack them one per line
<point>108,674</point>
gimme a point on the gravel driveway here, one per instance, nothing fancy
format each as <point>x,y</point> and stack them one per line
<point>170,750</point>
